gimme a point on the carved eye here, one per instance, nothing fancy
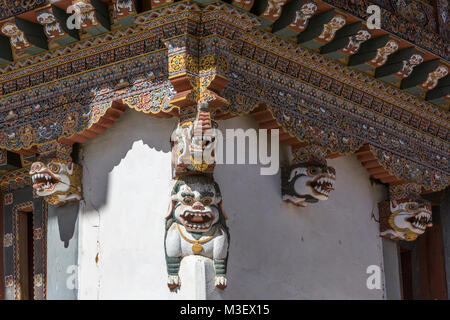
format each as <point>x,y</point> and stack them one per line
<point>206,201</point>
<point>54,167</point>
<point>412,206</point>
<point>312,171</point>
<point>188,200</point>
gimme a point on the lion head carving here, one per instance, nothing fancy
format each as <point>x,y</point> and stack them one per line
<point>406,215</point>
<point>58,181</point>
<point>309,179</point>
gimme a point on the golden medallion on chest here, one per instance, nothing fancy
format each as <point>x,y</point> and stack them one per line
<point>197,248</point>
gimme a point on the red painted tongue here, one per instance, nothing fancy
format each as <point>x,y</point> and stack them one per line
<point>197,219</point>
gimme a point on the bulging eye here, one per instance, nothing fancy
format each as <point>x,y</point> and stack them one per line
<point>412,206</point>
<point>206,201</point>
<point>188,200</point>
<point>312,171</point>
<point>54,167</point>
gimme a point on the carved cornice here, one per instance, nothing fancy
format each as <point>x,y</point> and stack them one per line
<point>181,55</point>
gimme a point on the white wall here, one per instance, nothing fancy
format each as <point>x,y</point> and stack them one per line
<point>277,251</point>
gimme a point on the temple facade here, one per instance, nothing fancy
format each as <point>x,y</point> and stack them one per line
<point>237,149</point>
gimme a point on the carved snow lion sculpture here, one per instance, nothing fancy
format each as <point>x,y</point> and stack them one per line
<point>196,226</point>
<point>406,216</point>
<point>58,181</point>
<point>309,179</point>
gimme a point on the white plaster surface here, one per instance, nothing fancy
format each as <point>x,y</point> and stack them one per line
<point>277,250</point>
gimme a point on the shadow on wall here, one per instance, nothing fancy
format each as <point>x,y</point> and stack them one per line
<point>121,137</point>
<point>67,216</point>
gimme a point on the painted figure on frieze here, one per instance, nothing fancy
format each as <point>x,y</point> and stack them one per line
<point>433,77</point>
<point>52,27</point>
<point>356,40</point>
<point>124,7</point>
<point>408,65</point>
<point>309,179</point>
<point>383,53</point>
<point>16,36</point>
<point>406,215</point>
<point>329,29</point>
<point>303,15</point>
<point>193,143</point>
<point>55,176</point>
<point>196,226</point>
<point>87,12</point>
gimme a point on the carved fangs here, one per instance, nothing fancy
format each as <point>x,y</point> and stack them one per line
<point>44,181</point>
<point>323,185</point>
<point>197,221</point>
<point>421,220</point>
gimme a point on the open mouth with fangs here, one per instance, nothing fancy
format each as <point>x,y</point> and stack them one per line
<point>421,220</point>
<point>44,181</point>
<point>322,185</point>
<point>197,221</point>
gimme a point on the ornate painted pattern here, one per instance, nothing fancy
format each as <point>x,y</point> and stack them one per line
<point>15,180</point>
<point>332,85</point>
<point>394,21</point>
<point>9,8</point>
<point>297,59</point>
<point>178,59</point>
<point>429,178</point>
<point>443,18</point>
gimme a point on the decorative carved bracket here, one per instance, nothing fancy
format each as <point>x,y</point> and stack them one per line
<point>308,179</point>
<point>54,176</point>
<point>406,215</point>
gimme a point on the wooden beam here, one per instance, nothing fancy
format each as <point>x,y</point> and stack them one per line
<point>393,65</point>
<point>288,25</point>
<point>315,27</point>
<point>269,125</point>
<point>341,38</point>
<point>263,116</point>
<point>419,75</point>
<point>376,170</point>
<point>371,164</point>
<point>365,157</point>
<point>441,93</point>
<point>368,51</point>
<point>34,33</point>
<point>389,179</point>
<point>382,175</point>
<point>6,55</point>
<point>291,141</point>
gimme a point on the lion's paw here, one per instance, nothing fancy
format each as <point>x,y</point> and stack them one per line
<point>173,282</point>
<point>221,282</point>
